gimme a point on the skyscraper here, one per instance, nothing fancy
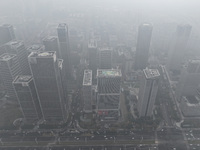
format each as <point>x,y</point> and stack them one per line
<point>189,79</point>
<point>6,33</point>
<point>105,58</point>
<point>47,79</point>
<point>108,86</point>
<point>51,44</point>
<point>148,91</point>
<point>179,46</point>
<point>27,98</point>
<point>10,68</point>
<point>63,38</point>
<point>143,44</point>
<point>93,59</point>
<point>18,48</point>
<point>87,91</point>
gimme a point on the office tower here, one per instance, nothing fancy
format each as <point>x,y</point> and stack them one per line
<point>6,33</point>
<point>27,97</point>
<point>143,44</point>
<point>18,48</point>
<point>35,48</point>
<point>51,44</point>
<point>105,58</point>
<point>108,97</point>
<point>179,46</point>
<point>148,91</point>
<point>64,83</point>
<point>87,91</point>
<point>63,38</point>
<point>93,59</point>
<point>189,79</point>
<point>10,68</point>
<point>47,79</point>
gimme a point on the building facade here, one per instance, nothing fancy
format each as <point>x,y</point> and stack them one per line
<point>179,47</point>
<point>18,48</point>
<point>10,68</point>
<point>87,91</point>
<point>105,58</point>
<point>47,79</point>
<point>63,38</point>
<point>51,44</point>
<point>6,33</point>
<point>27,98</point>
<point>147,92</point>
<point>143,45</point>
<point>108,97</point>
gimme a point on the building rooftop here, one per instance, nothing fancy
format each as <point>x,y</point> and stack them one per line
<point>62,25</point>
<point>92,43</point>
<point>22,79</point>
<point>35,47</point>
<point>105,49</point>
<point>6,25</point>
<point>108,72</point>
<point>50,38</point>
<point>6,56</point>
<point>87,79</point>
<point>14,44</point>
<point>151,73</point>
<point>42,54</point>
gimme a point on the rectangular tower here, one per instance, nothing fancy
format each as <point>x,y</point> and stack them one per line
<point>143,44</point>
<point>6,33</point>
<point>63,38</point>
<point>148,91</point>
<point>51,44</point>
<point>87,91</point>
<point>47,79</point>
<point>105,58</point>
<point>108,98</point>
<point>179,46</point>
<point>93,59</point>
<point>27,98</point>
<point>18,48</point>
<point>10,68</point>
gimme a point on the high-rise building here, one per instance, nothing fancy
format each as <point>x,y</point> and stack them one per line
<point>93,59</point>
<point>18,48</point>
<point>108,97</point>
<point>47,79</point>
<point>105,58</point>
<point>27,97</point>
<point>189,79</point>
<point>6,33</point>
<point>143,44</point>
<point>179,46</point>
<point>35,48</point>
<point>87,91</point>
<point>51,44</point>
<point>10,68</point>
<point>63,38</point>
<point>148,91</point>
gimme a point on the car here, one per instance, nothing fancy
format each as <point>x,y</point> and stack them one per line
<point>133,138</point>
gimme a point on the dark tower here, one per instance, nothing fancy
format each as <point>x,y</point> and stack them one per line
<point>51,44</point>
<point>63,38</point>
<point>143,44</point>
<point>6,33</point>
<point>27,98</point>
<point>47,79</point>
